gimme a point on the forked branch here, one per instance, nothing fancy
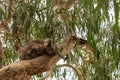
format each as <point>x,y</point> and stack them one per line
<point>64,65</point>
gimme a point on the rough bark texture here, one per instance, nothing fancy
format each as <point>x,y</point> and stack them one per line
<point>23,70</point>
<point>26,68</point>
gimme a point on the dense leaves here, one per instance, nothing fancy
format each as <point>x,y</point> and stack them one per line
<point>90,19</point>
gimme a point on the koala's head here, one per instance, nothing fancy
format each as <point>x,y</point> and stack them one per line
<point>50,47</point>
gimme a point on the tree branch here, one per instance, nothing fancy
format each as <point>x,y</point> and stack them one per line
<point>64,65</point>
<point>25,68</point>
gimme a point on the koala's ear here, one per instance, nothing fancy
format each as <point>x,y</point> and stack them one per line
<point>47,42</point>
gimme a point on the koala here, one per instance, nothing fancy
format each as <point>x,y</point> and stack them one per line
<point>37,48</point>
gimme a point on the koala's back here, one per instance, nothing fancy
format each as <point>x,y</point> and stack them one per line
<point>36,48</point>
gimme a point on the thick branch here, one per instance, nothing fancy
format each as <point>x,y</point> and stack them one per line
<point>64,65</point>
<point>20,69</point>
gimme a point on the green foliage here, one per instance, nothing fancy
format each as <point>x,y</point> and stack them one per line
<point>92,19</point>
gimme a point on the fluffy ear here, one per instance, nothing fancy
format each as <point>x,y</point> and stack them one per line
<point>47,42</point>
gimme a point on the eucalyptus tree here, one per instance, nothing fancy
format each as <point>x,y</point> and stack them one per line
<point>97,21</point>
